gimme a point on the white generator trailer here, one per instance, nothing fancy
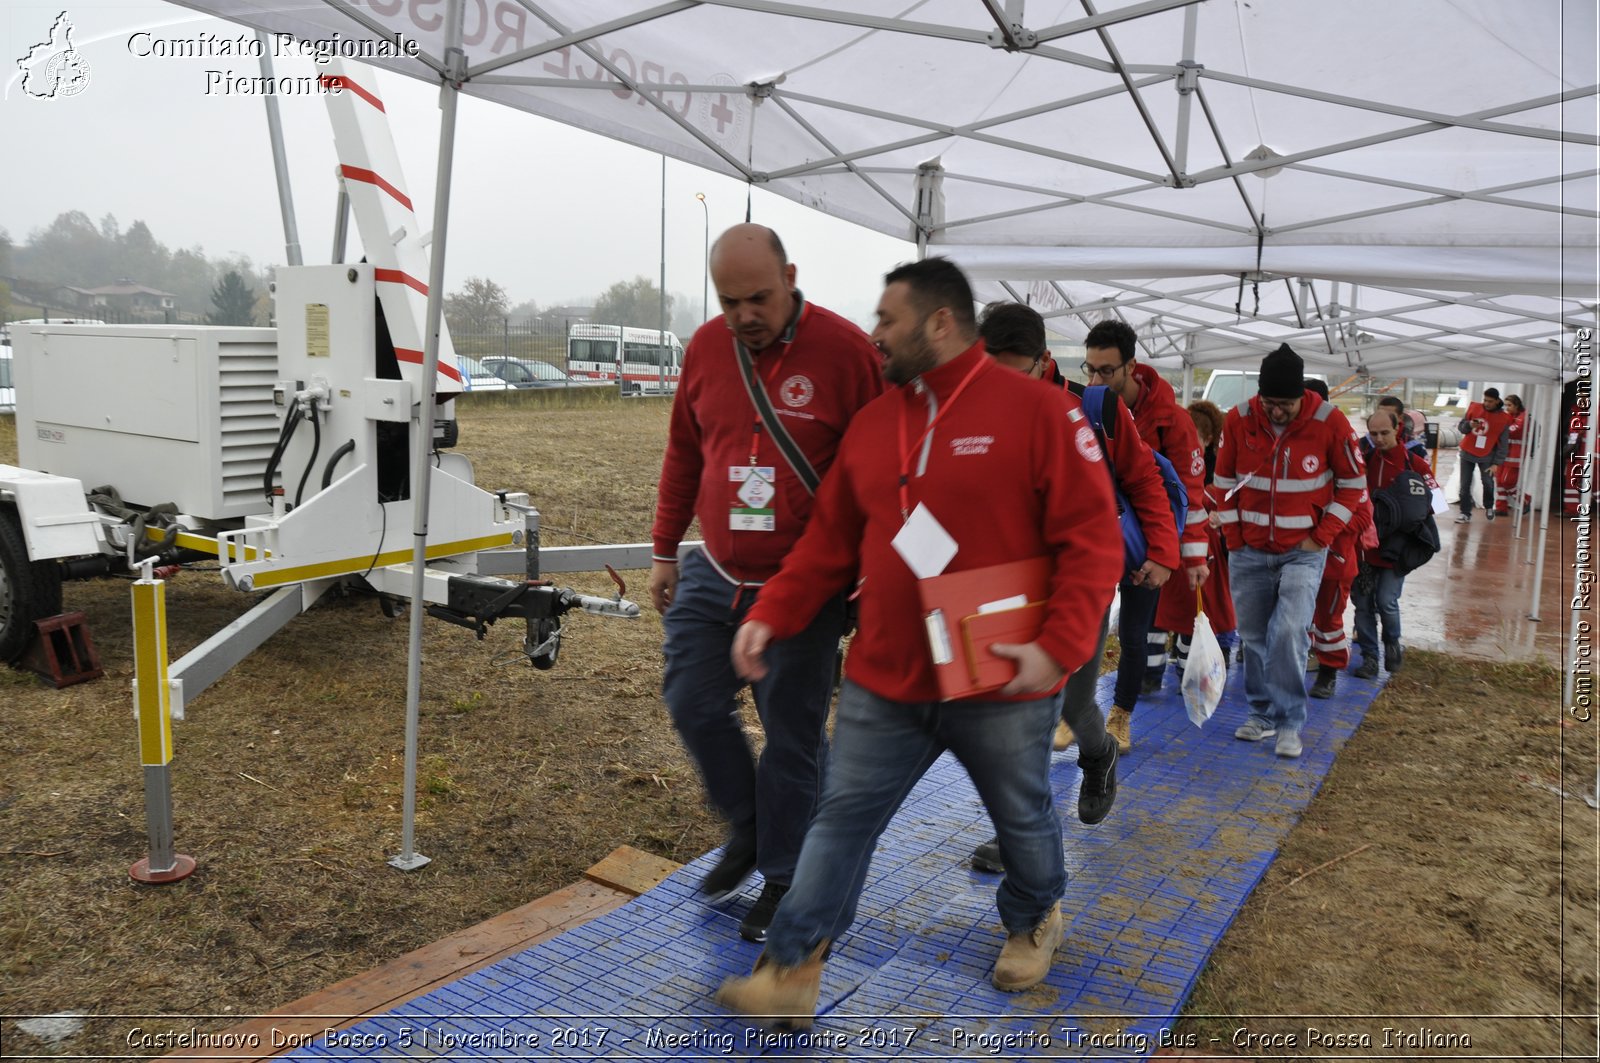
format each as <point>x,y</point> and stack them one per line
<point>285,453</point>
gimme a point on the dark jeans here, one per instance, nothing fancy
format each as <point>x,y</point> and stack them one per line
<point>1476,467</point>
<point>880,749</point>
<point>776,797</point>
<point>1379,604</point>
<point>1133,631</point>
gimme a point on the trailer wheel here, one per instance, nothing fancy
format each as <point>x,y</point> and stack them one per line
<point>29,590</point>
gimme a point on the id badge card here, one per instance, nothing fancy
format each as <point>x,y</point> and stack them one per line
<point>755,491</point>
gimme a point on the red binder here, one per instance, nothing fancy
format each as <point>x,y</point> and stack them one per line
<point>967,612</point>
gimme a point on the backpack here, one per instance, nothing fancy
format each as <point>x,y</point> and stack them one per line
<point>1135,548</point>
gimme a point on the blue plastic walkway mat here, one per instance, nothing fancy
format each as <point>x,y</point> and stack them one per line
<point>1199,816</point>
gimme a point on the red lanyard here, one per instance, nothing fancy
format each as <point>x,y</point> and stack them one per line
<point>908,453</point>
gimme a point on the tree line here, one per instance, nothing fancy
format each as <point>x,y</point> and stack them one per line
<point>74,251</point>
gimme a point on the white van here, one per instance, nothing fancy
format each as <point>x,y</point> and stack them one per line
<point>647,360</point>
<point>8,390</point>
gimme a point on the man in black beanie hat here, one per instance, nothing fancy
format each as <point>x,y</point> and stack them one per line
<point>1293,479</point>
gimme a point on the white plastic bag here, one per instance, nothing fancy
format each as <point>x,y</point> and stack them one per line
<point>1205,673</point>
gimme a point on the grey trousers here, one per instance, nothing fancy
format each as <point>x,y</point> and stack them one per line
<point>1078,707</point>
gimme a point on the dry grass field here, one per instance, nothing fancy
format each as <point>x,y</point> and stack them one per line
<point>1445,875</point>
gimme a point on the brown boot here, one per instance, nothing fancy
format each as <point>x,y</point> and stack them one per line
<point>1064,737</point>
<point>783,998</point>
<point>1119,725</point>
<point>1027,955</point>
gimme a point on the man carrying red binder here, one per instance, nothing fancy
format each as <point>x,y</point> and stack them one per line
<point>963,465</point>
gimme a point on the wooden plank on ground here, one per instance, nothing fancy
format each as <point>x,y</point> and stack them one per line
<point>407,977</point>
<point>631,870</point>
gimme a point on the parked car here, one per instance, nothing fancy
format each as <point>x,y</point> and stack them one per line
<point>475,376</point>
<point>532,373</point>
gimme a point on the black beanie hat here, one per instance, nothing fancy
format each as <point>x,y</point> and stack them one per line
<point>1313,384</point>
<point>1491,393</point>
<point>1282,374</point>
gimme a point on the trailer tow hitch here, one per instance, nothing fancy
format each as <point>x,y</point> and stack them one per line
<point>476,602</point>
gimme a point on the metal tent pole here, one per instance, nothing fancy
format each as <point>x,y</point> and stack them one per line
<point>280,161</point>
<point>408,859</point>
<point>1530,426</point>
<point>1544,534</point>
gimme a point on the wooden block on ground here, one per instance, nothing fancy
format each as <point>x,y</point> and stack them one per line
<point>410,976</point>
<point>631,870</point>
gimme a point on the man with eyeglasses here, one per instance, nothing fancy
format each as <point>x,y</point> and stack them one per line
<point>1292,476</point>
<point>1166,427</point>
<point>1013,334</point>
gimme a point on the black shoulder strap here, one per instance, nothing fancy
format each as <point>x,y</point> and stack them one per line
<point>780,435</point>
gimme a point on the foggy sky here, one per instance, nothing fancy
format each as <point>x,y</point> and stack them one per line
<point>549,212</point>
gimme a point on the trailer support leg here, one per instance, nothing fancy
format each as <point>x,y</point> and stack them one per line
<point>153,700</point>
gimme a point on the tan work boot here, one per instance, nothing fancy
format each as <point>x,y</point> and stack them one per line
<point>775,997</point>
<point>1118,726</point>
<point>1064,737</point>
<point>1027,956</point>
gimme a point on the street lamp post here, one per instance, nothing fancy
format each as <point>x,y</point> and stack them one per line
<point>705,277</point>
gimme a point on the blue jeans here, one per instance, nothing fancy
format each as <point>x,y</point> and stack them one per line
<point>1383,603</point>
<point>1134,626</point>
<point>880,749</point>
<point>1480,468</point>
<point>776,797</point>
<point>1274,596</point>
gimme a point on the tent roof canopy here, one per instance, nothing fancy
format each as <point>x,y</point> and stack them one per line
<point>1424,174</point>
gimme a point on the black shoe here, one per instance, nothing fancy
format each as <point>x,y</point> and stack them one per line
<point>1369,665</point>
<point>738,863</point>
<point>1098,792</point>
<point>1488,514</point>
<point>754,927</point>
<point>1151,684</point>
<point>1326,677</point>
<point>1393,654</point>
<point>986,857</point>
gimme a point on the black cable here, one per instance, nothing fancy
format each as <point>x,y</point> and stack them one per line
<point>316,446</point>
<point>347,447</point>
<point>290,422</point>
<point>381,535</point>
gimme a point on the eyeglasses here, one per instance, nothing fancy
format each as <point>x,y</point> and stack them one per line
<point>1279,404</point>
<point>1105,371</point>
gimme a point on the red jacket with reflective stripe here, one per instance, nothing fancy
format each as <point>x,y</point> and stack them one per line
<point>1166,427</point>
<point>1281,488</point>
<point>818,374</point>
<point>1006,472</point>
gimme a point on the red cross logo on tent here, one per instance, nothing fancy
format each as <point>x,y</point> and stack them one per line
<point>797,391</point>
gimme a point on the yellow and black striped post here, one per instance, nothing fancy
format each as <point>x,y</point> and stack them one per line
<point>153,704</point>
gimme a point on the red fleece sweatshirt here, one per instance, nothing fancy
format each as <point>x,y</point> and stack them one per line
<point>1167,428</point>
<point>1006,470</point>
<point>817,375</point>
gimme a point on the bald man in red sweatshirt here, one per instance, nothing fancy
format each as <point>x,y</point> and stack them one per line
<point>999,464</point>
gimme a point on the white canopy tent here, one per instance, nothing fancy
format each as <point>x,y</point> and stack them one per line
<point>1410,187</point>
<point>1400,187</point>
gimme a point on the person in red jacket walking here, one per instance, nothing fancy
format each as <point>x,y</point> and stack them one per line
<point>1164,426</point>
<point>1180,602</point>
<point>1014,336</point>
<point>1484,444</point>
<point>1329,644</point>
<point>814,371</point>
<point>1379,599</point>
<point>1510,471</point>
<point>1292,478</point>
<point>998,462</point>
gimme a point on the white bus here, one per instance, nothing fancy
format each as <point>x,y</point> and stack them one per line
<point>645,363</point>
